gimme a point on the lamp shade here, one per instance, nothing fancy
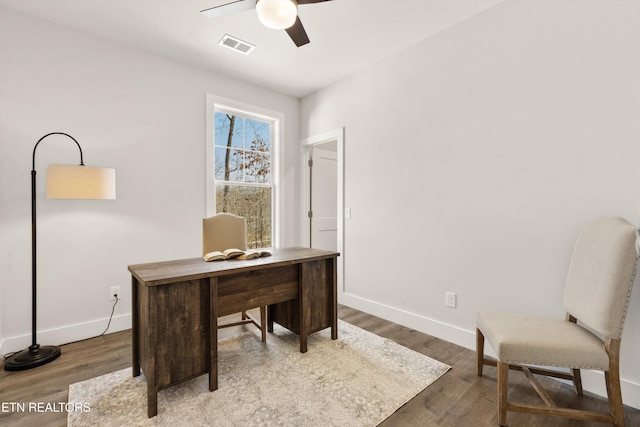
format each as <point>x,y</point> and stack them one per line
<point>277,14</point>
<point>80,182</point>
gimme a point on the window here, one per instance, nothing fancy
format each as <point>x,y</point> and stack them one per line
<point>243,171</point>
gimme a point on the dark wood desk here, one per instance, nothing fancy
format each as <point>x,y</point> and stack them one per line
<point>176,305</point>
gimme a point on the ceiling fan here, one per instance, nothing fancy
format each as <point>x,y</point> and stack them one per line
<point>276,14</point>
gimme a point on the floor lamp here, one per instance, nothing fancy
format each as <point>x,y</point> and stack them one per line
<point>63,182</point>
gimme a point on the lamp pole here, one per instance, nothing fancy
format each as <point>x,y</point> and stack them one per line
<point>36,355</point>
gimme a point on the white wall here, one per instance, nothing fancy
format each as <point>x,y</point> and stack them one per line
<point>473,158</point>
<point>138,113</point>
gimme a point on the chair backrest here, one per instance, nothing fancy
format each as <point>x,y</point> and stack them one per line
<point>601,275</point>
<point>223,231</point>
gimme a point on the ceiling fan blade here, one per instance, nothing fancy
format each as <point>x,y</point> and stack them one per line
<point>297,33</point>
<point>229,8</point>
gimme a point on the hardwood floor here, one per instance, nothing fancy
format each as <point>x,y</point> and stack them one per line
<point>50,383</point>
<point>459,398</point>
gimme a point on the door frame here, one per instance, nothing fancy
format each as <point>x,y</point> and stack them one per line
<point>307,144</point>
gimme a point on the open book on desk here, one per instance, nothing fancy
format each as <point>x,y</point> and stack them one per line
<point>234,253</point>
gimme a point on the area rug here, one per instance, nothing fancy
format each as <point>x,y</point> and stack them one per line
<point>357,380</point>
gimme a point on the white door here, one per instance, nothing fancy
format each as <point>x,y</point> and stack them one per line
<point>323,216</point>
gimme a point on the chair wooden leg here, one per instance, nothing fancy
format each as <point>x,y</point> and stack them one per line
<point>479,352</point>
<point>263,323</point>
<point>577,377</point>
<point>577,381</point>
<point>615,399</point>
<point>503,381</point>
<point>612,377</point>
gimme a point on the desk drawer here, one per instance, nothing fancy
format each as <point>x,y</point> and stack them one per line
<point>246,290</point>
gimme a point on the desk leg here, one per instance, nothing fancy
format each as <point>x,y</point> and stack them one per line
<point>135,325</point>
<point>213,333</point>
<point>135,328</point>
<point>333,276</point>
<point>150,299</point>
<point>304,307</point>
<point>152,399</point>
<point>303,342</point>
<point>270,309</point>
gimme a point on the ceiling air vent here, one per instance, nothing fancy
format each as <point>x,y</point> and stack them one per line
<point>236,44</point>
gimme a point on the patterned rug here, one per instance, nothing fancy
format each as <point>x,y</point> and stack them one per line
<point>358,380</point>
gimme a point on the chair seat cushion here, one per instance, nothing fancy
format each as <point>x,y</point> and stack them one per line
<point>536,340</point>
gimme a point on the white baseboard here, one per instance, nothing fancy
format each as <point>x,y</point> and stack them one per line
<point>453,334</point>
<point>592,381</point>
<point>67,334</point>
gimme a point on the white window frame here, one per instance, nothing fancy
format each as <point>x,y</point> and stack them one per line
<point>217,103</point>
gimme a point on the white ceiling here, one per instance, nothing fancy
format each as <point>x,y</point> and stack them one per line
<point>346,35</point>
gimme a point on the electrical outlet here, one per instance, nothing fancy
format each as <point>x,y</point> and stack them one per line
<point>451,299</point>
<point>113,291</point>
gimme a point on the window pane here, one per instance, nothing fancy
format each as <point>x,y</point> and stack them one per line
<point>257,135</point>
<point>248,159</point>
<point>252,203</point>
<point>228,165</point>
<point>228,125</point>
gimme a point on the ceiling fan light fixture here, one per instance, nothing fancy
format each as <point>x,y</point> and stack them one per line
<point>277,14</point>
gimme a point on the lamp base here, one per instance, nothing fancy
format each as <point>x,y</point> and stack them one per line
<point>33,357</point>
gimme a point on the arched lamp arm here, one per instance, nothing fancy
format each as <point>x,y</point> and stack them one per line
<point>33,167</point>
